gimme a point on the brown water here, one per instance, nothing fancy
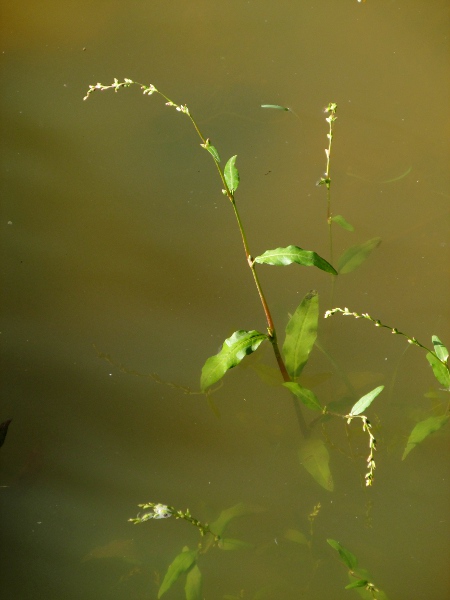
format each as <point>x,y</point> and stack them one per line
<point>115,234</point>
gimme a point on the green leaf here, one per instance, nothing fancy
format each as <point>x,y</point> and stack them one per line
<point>347,557</point>
<point>366,401</point>
<point>234,349</point>
<point>212,150</point>
<point>231,544</point>
<point>231,174</point>
<point>439,348</point>
<point>301,334</point>
<point>182,563</point>
<point>422,430</point>
<point>356,584</point>
<point>275,106</point>
<point>296,536</point>
<point>304,395</point>
<point>339,219</point>
<point>356,255</point>
<point>314,457</point>
<point>294,254</point>
<point>193,587</point>
<point>440,371</point>
<point>238,510</point>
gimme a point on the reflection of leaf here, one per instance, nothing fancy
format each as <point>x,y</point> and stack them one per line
<point>182,563</point>
<point>234,349</point>
<point>238,510</point>
<point>301,333</point>
<point>314,457</point>
<point>367,595</point>
<point>339,219</point>
<point>123,549</point>
<point>304,395</point>
<point>364,578</point>
<point>347,557</point>
<point>193,587</point>
<point>423,430</point>
<point>281,257</point>
<point>356,255</point>
<point>366,401</point>
<point>231,174</point>
<point>296,536</point>
<point>231,544</point>
<point>268,375</point>
<point>364,593</point>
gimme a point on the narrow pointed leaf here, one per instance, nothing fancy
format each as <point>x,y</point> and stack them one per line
<point>238,510</point>
<point>293,254</point>
<point>339,219</point>
<point>275,106</point>
<point>366,401</point>
<point>440,371</point>
<point>231,174</point>
<point>439,348</point>
<point>304,395</point>
<point>212,150</point>
<point>301,334</point>
<point>182,563</point>
<point>234,349</point>
<point>314,457</point>
<point>193,587</point>
<point>356,255</point>
<point>347,557</point>
<point>422,430</point>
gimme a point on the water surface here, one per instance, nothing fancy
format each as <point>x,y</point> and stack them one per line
<point>116,240</point>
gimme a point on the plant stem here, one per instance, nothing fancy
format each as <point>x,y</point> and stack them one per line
<point>326,179</point>
<point>270,324</point>
<point>151,89</point>
<point>378,323</point>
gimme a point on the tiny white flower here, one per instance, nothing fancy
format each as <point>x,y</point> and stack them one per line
<point>161,511</point>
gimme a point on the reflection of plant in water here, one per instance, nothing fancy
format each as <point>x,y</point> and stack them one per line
<point>161,511</point>
<point>187,560</point>
<point>300,338</point>
<point>363,581</point>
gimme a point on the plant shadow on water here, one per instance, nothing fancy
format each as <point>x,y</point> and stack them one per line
<point>330,427</point>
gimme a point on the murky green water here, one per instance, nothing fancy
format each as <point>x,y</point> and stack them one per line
<point>117,240</point>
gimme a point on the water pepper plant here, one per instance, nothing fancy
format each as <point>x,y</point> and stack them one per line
<point>291,356</point>
<point>301,329</point>
<point>187,561</point>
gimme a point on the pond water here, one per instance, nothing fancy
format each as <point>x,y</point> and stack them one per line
<point>121,259</point>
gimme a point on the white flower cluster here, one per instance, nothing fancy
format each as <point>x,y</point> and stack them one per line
<point>160,511</point>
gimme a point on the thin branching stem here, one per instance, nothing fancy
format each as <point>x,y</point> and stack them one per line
<point>151,89</point>
<point>411,340</point>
